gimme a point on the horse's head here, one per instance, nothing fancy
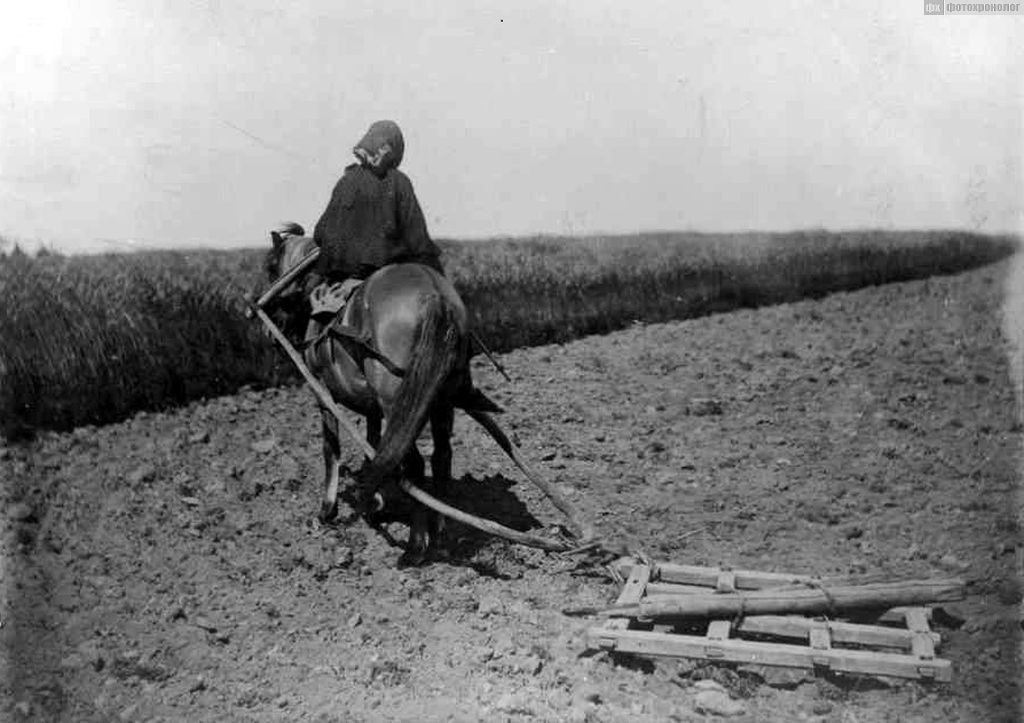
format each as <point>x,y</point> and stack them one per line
<point>289,245</point>
<point>284,250</point>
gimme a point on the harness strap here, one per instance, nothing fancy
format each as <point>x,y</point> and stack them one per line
<point>363,341</point>
<point>347,332</point>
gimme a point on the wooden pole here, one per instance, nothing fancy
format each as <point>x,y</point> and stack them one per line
<point>288,277</point>
<point>583,529</point>
<point>487,353</point>
<point>321,394</point>
<point>484,525</point>
<point>797,599</point>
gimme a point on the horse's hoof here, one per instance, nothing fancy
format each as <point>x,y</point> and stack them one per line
<point>412,558</point>
<point>441,554</point>
<point>328,513</point>
<point>438,532</point>
<point>369,503</point>
<point>417,549</point>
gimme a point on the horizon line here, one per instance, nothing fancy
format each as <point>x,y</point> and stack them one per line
<point>126,246</point>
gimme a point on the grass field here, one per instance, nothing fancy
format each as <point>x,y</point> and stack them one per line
<point>91,339</point>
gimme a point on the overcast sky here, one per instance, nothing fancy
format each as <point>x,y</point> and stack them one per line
<point>149,123</point>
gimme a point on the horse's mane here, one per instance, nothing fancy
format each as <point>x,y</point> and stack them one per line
<point>290,228</point>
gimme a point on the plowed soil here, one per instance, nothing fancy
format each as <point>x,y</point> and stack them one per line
<point>167,568</point>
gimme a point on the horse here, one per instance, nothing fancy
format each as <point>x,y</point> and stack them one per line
<point>402,361</point>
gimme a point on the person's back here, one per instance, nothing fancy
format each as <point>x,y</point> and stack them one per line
<point>373,218</point>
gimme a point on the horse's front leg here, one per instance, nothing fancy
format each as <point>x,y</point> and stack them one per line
<point>332,466</point>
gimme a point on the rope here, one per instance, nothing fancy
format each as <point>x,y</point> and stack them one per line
<point>816,585</point>
<point>738,618</point>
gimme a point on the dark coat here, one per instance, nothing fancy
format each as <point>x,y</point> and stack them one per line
<point>372,220</point>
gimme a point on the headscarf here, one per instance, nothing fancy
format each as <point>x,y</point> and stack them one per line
<point>382,147</point>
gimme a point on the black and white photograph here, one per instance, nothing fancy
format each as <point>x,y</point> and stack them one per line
<point>473,361</point>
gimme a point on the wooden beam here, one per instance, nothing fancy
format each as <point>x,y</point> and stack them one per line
<point>662,589</point>
<point>726,581</point>
<point>743,651</point>
<point>797,599</point>
<point>922,645</point>
<point>708,576</point>
<point>898,615</point>
<point>719,630</point>
<point>799,628</point>
<point>633,589</point>
<point>795,626</point>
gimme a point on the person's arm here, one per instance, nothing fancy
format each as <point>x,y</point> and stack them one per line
<point>413,226</point>
<point>328,233</point>
<point>329,218</point>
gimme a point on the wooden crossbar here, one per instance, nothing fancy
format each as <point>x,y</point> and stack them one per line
<point>631,593</point>
<point>868,662</point>
<point>709,577</point>
<point>797,627</point>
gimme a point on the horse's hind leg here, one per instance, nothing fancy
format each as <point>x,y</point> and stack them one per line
<point>413,468</point>
<point>332,466</point>
<point>371,500</point>
<point>442,419</point>
<point>373,427</point>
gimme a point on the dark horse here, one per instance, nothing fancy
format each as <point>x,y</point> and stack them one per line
<point>412,317</point>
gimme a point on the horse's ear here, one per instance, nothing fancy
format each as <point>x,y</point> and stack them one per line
<point>277,239</point>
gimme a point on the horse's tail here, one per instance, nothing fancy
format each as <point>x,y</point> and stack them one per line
<point>435,353</point>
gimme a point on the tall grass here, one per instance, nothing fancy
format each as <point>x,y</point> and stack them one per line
<point>91,339</point>
<point>550,290</point>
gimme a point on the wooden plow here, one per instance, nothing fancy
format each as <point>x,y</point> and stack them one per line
<point>582,535</point>
<point>774,619</point>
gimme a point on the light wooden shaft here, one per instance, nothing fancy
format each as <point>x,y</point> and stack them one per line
<point>797,599</point>
<point>288,277</point>
<point>321,394</point>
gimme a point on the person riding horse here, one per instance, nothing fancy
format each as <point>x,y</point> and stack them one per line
<point>373,218</point>
<point>399,353</point>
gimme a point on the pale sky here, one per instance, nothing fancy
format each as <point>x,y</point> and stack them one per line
<point>162,123</point>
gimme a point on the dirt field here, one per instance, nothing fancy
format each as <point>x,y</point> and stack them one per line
<point>166,568</point>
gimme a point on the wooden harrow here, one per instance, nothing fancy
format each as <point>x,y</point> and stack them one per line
<point>653,617</point>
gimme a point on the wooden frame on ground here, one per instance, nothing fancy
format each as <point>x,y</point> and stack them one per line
<point>907,651</point>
